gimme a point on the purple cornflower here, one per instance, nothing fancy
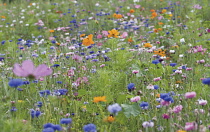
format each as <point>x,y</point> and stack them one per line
<point>115,108</point>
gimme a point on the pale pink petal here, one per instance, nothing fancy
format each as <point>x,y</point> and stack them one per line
<point>42,70</point>
<point>28,67</point>
<point>19,71</point>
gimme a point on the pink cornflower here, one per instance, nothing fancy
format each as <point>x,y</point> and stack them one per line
<point>177,108</point>
<point>135,99</point>
<point>28,70</point>
<point>157,79</point>
<point>190,126</point>
<point>105,33</point>
<point>197,6</point>
<point>190,95</point>
<point>135,71</point>
<point>202,102</point>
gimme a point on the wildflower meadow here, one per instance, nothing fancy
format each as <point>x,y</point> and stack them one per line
<point>105,65</point>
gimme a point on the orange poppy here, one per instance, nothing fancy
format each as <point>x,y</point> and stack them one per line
<point>160,52</point>
<point>130,40</point>
<point>109,119</point>
<point>52,31</point>
<point>152,10</point>
<point>147,45</point>
<point>154,14</point>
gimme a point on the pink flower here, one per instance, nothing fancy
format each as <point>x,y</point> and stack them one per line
<point>202,102</point>
<point>165,103</point>
<point>157,79</point>
<point>135,99</point>
<point>77,58</point>
<point>177,108</point>
<point>190,95</point>
<point>28,70</point>
<point>135,71</point>
<point>190,126</point>
<point>124,35</point>
<point>105,33</point>
<point>99,36</point>
<point>137,6</point>
<point>166,116</point>
<point>70,72</point>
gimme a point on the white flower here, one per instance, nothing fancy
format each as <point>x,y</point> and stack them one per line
<point>172,51</point>
<point>182,40</point>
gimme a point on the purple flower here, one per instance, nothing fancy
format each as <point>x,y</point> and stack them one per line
<point>66,121</point>
<point>115,108</point>
<point>190,126</point>
<point>28,70</point>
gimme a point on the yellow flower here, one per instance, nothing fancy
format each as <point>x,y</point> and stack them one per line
<point>181,131</point>
<point>20,101</point>
<point>113,33</point>
<point>3,17</point>
<point>147,45</point>
<point>88,41</point>
<point>164,11</point>
<point>109,119</point>
<point>99,99</point>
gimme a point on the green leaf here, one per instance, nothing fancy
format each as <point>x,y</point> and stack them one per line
<point>82,92</point>
<point>130,110</point>
<point>121,98</point>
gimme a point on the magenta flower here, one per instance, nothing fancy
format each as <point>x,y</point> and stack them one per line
<point>190,126</point>
<point>166,116</point>
<point>202,102</point>
<point>28,70</point>
<point>177,108</point>
<point>190,95</point>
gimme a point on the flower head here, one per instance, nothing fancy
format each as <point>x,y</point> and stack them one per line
<point>206,81</point>
<point>113,33</point>
<point>144,105</point>
<point>66,121</point>
<point>190,95</point>
<point>88,41</point>
<point>89,128</point>
<point>115,108</point>
<point>28,70</point>
<point>15,83</point>
<point>99,99</point>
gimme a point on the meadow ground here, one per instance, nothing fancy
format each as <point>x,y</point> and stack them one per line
<point>104,65</point>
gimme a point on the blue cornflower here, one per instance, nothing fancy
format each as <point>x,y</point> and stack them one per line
<point>35,113</point>
<point>131,86</point>
<point>144,105</point>
<point>206,81</point>
<point>1,58</point>
<point>56,65</point>
<point>89,128</point>
<point>173,64</point>
<point>164,95</point>
<point>115,108</point>
<point>168,99</point>
<point>39,104</point>
<point>52,126</point>
<point>155,61</point>
<point>26,82</point>
<point>59,82</point>
<point>66,121</point>
<point>156,87</point>
<point>13,109</point>
<point>61,92</point>
<point>44,93</point>
<point>15,83</point>
<point>48,130</point>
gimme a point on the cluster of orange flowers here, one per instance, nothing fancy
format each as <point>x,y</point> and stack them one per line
<point>157,30</point>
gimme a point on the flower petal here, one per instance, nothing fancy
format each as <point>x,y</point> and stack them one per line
<point>42,70</point>
<point>18,71</point>
<point>28,67</point>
